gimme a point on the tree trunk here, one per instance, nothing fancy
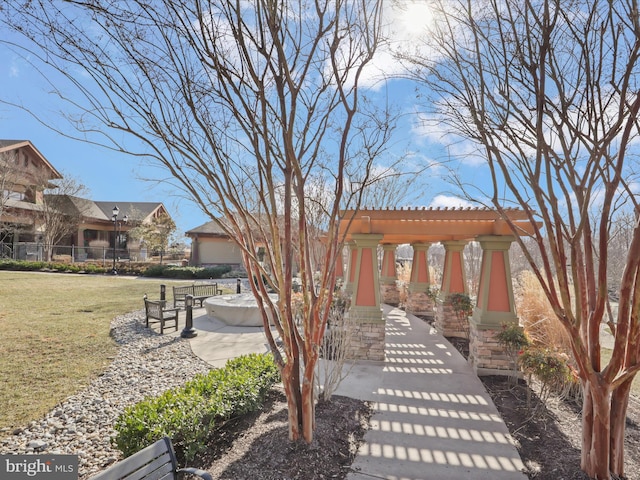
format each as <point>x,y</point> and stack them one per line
<point>291,382</point>
<point>619,403</point>
<point>596,418</point>
<point>308,400</point>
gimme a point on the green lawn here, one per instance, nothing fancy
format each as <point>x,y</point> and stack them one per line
<point>55,335</point>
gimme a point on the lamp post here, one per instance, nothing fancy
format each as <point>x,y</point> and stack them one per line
<point>116,234</point>
<point>116,210</point>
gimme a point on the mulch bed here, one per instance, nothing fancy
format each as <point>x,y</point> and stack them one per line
<point>257,446</point>
<point>548,434</point>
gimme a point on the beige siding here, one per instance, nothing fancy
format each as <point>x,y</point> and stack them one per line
<point>218,251</point>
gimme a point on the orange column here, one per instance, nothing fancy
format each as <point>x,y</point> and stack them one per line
<point>420,268</point>
<point>419,301</point>
<point>351,267</point>
<point>366,340</point>
<point>388,268</point>
<point>366,284</point>
<point>389,292</point>
<point>454,278</point>
<point>495,307</point>
<point>495,304</point>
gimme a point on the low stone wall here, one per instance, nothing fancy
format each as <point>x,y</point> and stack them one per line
<point>486,355</point>
<point>367,341</point>
<point>390,294</point>
<point>447,322</point>
<point>420,304</point>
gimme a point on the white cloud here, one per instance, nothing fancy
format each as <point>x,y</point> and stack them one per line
<point>447,201</point>
<point>405,25</point>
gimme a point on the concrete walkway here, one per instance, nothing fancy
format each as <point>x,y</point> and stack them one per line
<point>432,419</point>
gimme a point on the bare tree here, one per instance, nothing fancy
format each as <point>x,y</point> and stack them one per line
<point>61,212</point>
<point>548,91</point>
<point>246,105</point>
<point>8,176</point>
<point>155,234</point>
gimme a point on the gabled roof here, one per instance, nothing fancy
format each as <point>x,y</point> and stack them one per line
<point>9,145</point>
<point>103,211</point>
<point>211,229</point>
<point>134,210</point>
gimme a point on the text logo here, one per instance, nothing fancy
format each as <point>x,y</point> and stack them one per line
<point>39,467</point>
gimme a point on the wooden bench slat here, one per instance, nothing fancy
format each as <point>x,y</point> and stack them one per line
<point>199,292</point>
<point>159,468</point>
<point>157,313</point>
<point>155,462</point>
<point>130,466</point>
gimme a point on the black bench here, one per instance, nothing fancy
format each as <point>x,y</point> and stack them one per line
<point>199,291</point>
<point>156,312</point>
<point>156,462</point>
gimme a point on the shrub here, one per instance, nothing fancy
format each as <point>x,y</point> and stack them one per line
<point>462,306</point>
<point>513,339</point>
<point>187,414</point>
<point>550,368</point>
<point>432,292</point>
<point>173,271</point>
<point>212,272</point>
<point>154,271</point>
<point>24,265</point>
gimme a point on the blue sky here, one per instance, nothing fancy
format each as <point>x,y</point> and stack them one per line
<point>112,176</point>
<point>108,175</point>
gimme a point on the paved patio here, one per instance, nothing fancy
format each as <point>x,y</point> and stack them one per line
<point>432,419</point>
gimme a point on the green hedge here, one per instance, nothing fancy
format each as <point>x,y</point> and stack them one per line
<point>172,271</point>
<point>187,414</point>
<point>23,265</point>
<point>124,268</point>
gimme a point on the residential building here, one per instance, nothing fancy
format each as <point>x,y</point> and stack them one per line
<point>25,175</point>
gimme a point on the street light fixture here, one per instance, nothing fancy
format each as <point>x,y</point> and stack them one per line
<point>114,218</point>
<point>116,234</point>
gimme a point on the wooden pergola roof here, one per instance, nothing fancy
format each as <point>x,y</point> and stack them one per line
<point>430,225</point>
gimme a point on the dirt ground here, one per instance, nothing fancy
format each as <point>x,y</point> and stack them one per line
<point>257,446</point>
<point>549,440</point>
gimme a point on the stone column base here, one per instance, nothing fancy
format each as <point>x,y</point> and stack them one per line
<point>366,341</point>
<point>420,304</point>
<point>366,327</point>
<point>390,294</point>
<point>486,355</point>
<point>447,322</point>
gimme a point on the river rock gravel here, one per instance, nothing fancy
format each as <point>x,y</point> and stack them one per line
<point>146,365</point>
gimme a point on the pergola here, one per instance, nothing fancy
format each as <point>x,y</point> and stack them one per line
<point>370,284</point>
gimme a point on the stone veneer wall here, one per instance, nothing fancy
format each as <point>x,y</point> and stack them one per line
<point>486,355</point>
<point>447,322</point>
<point>420,304</point>
<point>366,341</point>
<point>390,294</point>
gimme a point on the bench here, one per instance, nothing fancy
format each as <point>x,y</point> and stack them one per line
<point>156,312</point>
<point>199,291</point>
<point>156,462</point>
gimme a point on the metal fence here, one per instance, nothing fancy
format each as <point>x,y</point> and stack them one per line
<point>72,254</point>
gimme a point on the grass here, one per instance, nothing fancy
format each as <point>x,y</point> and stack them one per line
<point>55,335</point>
